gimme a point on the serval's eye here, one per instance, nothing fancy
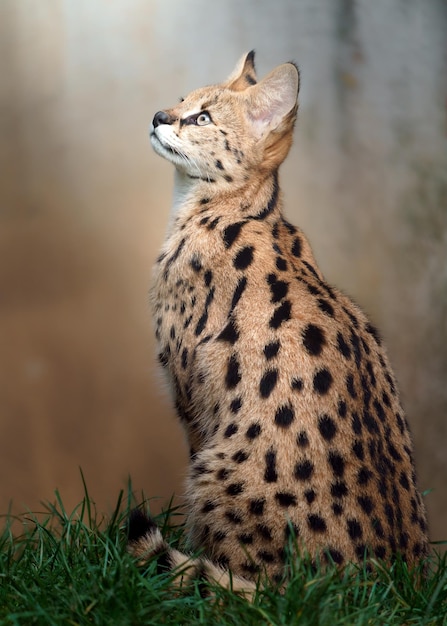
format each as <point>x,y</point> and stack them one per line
<point>203,119</point>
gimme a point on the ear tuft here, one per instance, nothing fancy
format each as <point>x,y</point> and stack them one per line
<point>274,98</point>
<point>244,74</point>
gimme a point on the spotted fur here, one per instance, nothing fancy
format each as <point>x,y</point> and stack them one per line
<point>282,384</point>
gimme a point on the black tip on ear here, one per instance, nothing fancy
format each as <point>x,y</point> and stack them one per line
<point>251,57</point>
<point>139,524</point>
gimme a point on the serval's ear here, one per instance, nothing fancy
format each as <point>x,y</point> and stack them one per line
<point>273,103</point>
<point>244,74</point>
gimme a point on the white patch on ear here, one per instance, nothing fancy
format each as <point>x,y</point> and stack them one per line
<point>273,98</point>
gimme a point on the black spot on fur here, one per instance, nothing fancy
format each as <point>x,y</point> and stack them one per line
<point>284,416</point>
<point>278,288</point>
<point>327,427</point>
<point>222,474</point>
<point>257,506</point>
<point>231,233</point>
<point>357,448</point>
<point>290,227</point>
<point>185,358</point>
<point>311,269</point>
<point>281,314</point>
<point>201,323</point>
<point>310,496</point>
<point>196,264</point>
<point>404,481</point>
<point>200,469</point>
<point>322,381</point>
<point>302,439</point>
<point>212,225</point>
<point>297,384</point>
<point>240,288</point>
<point>325,306</point>
<point>281,264</point>
<point>219,536</point>
<point>337,509</point>
<point>366,503</point>
<point>356,424</point>
<point>312,289</point>
<point>285,499</point>
<point>243,258</point>
<point>253,431</point>
<point>233,517</point>
<point>268,382</point>
<point>376,525</point>
<point>296,247</point>
<point>337,463</point>
<point>334,556</point>
<point>370,423</point>
<point>374,332</point>
<point>316,523</point>
<point>380,552</point>
<point>304,470</point>
<point>352,317</point>
<point>354,529</point>
<point>233,376</point>
<point>230,430</point>
<point>236,405</point>
<point>270,474</point>
<point>240,456</point>
<point>379,411</point>
<point>313,339</point>
<point>234,489</point>
<point>339,489</point>
<point>208,506</point>
<point>343,347</point>
<point>350,386</point>
<point>271,349</point>
<point>264,531</point>
<point>341,408</point>
<point>230,333</point>
<point>355,343</point>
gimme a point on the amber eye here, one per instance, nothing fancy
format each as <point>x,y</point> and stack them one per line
<point>203,119</point>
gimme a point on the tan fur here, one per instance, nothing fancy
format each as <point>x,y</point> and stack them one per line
<point>282,385</point>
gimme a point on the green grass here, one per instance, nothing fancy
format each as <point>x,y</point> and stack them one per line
<point>72,568</point>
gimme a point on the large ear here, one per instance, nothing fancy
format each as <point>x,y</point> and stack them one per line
<point>274,99</point>
<point>244,74</point>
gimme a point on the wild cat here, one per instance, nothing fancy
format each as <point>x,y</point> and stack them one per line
<point>282,384</point>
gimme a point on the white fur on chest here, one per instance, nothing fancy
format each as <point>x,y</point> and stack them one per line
<point>183,193</point>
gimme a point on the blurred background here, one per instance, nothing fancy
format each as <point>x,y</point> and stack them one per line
<point>84,204</point>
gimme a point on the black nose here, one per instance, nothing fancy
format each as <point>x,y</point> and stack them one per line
<point>161,117</point>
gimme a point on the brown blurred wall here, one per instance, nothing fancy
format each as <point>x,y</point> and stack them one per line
<point>84,203</point>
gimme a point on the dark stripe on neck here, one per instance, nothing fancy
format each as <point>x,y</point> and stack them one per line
<point>271,206</point>
<point>205,180</point>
